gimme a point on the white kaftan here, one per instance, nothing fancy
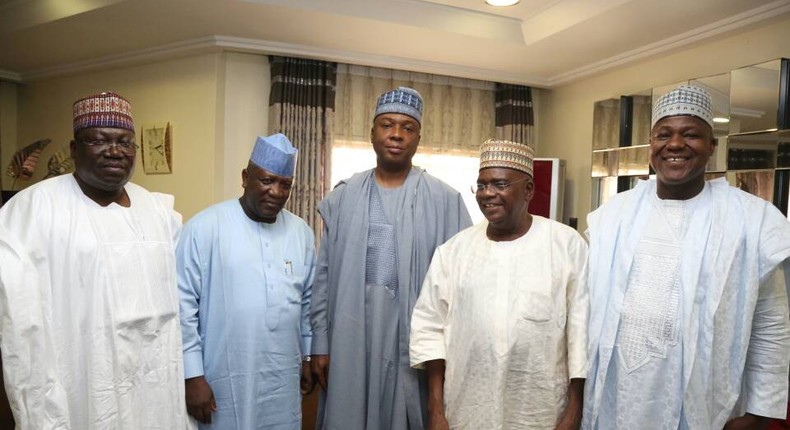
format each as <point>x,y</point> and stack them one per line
<point>510,320</point>
<point>89,310</point>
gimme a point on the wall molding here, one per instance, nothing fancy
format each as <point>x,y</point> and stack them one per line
<point>219,43</point>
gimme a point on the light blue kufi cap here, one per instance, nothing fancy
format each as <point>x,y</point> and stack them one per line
<point>403,100</point>
<point>276,154</point>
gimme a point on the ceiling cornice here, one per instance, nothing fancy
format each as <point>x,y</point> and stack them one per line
<point>762,13</point>
<point>235,44</point>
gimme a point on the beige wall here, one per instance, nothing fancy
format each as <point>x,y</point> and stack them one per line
<point>566,112</point>
<point>246,111</point>
<point>209,99</point>
<point>8,121</point>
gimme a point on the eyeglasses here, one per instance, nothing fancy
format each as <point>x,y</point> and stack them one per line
<point>102,145</point>
<point>498,186</point>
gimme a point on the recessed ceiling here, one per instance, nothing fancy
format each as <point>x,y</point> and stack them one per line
<point>536,42</point>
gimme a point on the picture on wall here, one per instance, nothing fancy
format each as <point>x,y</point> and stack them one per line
<point>156,148</point>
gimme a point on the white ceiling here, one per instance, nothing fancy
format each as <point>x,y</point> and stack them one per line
<point>543,43</point>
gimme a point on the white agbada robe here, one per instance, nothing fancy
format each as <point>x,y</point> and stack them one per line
<point>89,310</point>
<point>733,325</point>
<point>510,320</point>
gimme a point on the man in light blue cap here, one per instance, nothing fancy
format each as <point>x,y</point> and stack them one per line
<point>245,274</point>
<point>381,227</point>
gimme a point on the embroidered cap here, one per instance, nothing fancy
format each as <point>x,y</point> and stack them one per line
<point>504,153</point>
<point>103,110</point>
<point>276,154</point>
<point>403,100</point>
<point>684,100</point>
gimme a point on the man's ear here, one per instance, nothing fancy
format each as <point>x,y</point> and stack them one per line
<point>529,185</point>
<point>244,178</point>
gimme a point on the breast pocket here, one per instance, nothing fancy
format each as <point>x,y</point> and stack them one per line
<point>534,300</point>
<point>284,292</point>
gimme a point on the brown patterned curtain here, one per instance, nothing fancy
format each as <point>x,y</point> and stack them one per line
<point>458,116</point>
<point>301,106</point>
<point>514,116</point>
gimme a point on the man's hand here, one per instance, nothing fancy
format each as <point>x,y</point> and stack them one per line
<point>572,416</point>
<point>320,365</point>
<point>438,421</point>
<point>200,399</point>
<point>306,381</point>
<point>747,422</point>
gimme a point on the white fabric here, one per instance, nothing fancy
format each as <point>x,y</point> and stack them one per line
<point>734,324</point>
<point>648,338</point>
<point>510,320</point>
<point>89,310</point>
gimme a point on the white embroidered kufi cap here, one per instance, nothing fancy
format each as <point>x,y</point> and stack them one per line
<point>684,100</point>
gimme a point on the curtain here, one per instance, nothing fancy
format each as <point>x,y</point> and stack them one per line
<point>458,113</point>
<point>514,115</point>
<point>301,106</point>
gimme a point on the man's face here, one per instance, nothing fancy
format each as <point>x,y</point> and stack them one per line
<point>395,138</point>
<point>100,159</point>
<point>265,193</point>
<point>505,199</point>
<point>680,147</point>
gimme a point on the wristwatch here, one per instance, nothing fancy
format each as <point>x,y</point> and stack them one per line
<point>307,358</point>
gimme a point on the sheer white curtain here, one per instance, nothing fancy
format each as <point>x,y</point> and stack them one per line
<point>458,114</point>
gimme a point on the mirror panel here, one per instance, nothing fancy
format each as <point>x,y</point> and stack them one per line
<point>754,97</point>
<point>606,124</point>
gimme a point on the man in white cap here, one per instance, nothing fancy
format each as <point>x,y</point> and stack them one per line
<point>381,228</point>
<point>689,315</point>
<point>245,273</point>
<point>89,302</point>
<point>501,322</point>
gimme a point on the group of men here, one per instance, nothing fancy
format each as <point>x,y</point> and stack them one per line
<point>113,316</point>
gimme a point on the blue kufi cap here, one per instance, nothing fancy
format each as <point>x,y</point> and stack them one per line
<point>276,154</point>
<point>403,100</point>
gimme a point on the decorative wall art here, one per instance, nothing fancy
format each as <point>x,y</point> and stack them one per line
<point>156,148</point>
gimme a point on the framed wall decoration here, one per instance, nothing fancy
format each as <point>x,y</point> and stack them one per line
<point>156,148</point>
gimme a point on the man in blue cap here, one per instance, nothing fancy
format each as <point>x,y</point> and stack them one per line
<point>381,227</point>
<point>245,274</point>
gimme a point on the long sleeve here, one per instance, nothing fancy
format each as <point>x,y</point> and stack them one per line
<point>320,299</point>
<point>768,358</point>
<point>307,293</point>
<point>189,288</point>
<point>578,304</point>
<point>428,321</point>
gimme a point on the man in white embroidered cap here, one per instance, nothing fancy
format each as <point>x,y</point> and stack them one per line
<point>89,304</point>
<point>501,322</point>
<point>689,315</point>
<point>245,273</point>
<point>381,227</point>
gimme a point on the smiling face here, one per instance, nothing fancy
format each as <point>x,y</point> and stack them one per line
<point>265,193</point>
<point>102,169</point>
<point>395,138</point>
<point>506,209</point>
<point>680,147</point>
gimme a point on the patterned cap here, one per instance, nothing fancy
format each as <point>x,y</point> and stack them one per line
<point>276,154</point>
<point>402,100</point>
<point>103,110</point>
<point>504,153</point>
<point>684,100</point>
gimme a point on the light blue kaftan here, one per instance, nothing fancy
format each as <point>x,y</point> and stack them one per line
<point>734,331</point>
<point>245,301</point>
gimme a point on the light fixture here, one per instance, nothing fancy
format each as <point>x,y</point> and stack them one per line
<point>721,120</point>
<point>501,3</point>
